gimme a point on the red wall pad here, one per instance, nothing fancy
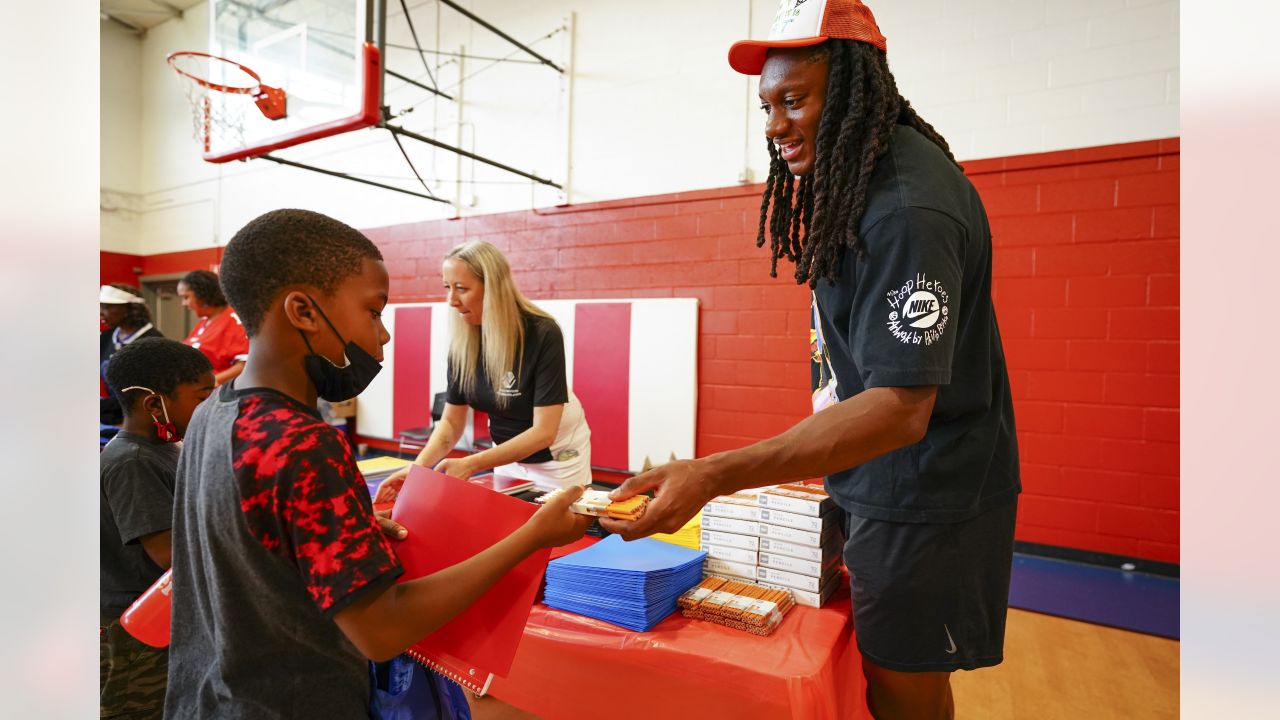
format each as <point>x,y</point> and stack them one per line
<point>411,403</point>
<point>602,352</point>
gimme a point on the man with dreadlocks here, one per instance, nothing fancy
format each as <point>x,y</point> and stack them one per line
<point>913,422</point>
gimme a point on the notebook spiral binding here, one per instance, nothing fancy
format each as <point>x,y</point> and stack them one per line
<point>468,680</point>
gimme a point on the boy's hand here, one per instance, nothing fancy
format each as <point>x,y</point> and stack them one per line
<point>388,489</point>
<point>389,527</point>
<point>555,524</point>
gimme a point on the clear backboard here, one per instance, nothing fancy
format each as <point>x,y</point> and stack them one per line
<point>324,55</point>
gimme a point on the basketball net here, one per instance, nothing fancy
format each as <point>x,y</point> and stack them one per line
<point>217,115</point>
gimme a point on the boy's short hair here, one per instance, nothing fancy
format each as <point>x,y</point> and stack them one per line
<point>158,364</point>
<point>288,247</point>
<point>204,285</point>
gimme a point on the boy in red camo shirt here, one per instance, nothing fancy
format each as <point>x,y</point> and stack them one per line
<point>283,583</point>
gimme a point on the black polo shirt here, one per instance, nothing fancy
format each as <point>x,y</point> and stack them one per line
<point>916,310</point>
<point>539,379</point>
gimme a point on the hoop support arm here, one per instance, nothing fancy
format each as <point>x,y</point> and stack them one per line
<point>345,176</point>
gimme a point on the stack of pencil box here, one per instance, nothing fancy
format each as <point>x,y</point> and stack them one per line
<point>736,604</point>
<point>787,536</point>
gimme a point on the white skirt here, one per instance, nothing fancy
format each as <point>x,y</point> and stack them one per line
<point>570,453</point>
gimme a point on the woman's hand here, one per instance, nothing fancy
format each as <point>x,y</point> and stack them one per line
<point>390,488</point>
<point>555,524</point>
<point>460,467</point>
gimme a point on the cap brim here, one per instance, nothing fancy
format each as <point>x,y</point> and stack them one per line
<point>747,56</point>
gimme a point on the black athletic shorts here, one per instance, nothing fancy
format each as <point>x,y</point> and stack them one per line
<point>931,597</point>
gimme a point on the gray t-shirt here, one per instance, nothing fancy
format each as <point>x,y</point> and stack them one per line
<point>136,499</point>
<point>273,535</point>
<point>916,310</point>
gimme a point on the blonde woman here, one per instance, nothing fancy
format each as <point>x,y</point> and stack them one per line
<point>506,359</point>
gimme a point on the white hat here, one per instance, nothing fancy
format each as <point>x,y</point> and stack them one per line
<point>115,296</point>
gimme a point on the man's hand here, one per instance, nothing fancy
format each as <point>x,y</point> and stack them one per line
<point>389,527</point>
<point>456,467</point>
<point>388,489</point>
<point>680,488</point>
<point>555,524</point>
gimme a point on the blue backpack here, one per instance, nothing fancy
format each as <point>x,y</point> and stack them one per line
<point>405,690</point>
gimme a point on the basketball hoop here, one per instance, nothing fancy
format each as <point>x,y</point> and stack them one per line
<point>218,108</point>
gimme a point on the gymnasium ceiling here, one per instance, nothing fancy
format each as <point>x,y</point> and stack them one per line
<point>139,15</point>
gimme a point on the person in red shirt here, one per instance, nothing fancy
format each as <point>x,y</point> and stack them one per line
<point>219,334</point>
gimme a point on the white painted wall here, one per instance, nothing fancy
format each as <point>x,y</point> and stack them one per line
<point>655,107</point>
<point>120,58</point>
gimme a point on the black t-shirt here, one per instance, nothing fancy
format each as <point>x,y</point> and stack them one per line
<point>538,380</point>
<point>273,535</point>
<point>916,310</point>
<point>136,497</point>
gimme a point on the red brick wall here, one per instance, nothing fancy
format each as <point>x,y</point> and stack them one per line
<point>1086,292</point>
<point>1086,289</point>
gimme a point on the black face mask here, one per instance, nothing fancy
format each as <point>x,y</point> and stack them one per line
<point>334,383</point>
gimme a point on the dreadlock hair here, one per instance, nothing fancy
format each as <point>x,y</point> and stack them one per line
<point>204,285</point>
<point>136,314</point>
<point>288,247</point>
<point>157,364</point>
<point>811,222</point>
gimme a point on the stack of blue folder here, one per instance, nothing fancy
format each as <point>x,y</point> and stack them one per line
<point>632,584</point>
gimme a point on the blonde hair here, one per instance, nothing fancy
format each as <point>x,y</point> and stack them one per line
<point>502,321</point>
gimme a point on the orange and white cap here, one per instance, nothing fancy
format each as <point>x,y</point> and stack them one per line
<point>801,23</point>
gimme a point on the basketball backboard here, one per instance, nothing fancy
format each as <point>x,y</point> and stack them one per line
<point>324,54</point>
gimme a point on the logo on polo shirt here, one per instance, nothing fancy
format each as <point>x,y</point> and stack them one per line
<point>918,310</point>
<point>509,388</point>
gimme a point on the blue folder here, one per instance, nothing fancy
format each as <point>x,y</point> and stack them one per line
<point>634,585</point>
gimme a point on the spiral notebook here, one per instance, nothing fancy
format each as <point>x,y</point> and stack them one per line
<point>450,520</point>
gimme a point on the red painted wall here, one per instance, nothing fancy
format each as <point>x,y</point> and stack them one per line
<point>119,268</point>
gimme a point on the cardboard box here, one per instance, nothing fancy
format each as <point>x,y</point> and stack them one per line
<point>746,542</point>
<point>791,580</point>
<point>797,498</point>
<point>798,537</point>
<point>724,567</point>
<point>731,510</point>
<point>833,547</point>
<point>794,564</point>
<point>731,554</point>
<point>806,598</point>
<point>721,524</point>
<point>796,520</point>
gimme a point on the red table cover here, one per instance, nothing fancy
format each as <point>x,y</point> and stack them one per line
<point>571,667</point>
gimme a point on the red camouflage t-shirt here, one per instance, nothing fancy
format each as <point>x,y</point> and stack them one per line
<point>273,535</point>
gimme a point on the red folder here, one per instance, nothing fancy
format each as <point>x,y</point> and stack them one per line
<point>450,520</point>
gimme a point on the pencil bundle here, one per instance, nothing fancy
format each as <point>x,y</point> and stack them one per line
<point>738,605</point>
<point>597,504</point>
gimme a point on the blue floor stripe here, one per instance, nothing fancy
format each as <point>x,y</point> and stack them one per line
<point>1091,593</point>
